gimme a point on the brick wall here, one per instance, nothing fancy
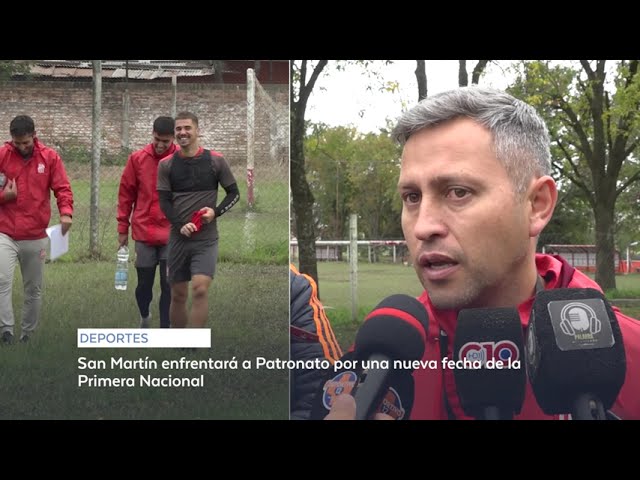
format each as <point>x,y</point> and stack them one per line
<point>62,113</point>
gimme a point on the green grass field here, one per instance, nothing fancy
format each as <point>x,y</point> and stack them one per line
<point>248,315</point>
<point>379,280</point>
<point>256,236</point>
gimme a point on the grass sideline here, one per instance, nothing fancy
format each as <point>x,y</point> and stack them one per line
<point>251,236</point>
<point>379,280</point>
<point>248,316</point>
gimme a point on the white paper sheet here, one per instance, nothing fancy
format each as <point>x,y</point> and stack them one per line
<point>58,243</point>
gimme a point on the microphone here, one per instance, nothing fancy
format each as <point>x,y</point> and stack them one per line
<point>489,377</point>
<point>396,402</point>
<point>396,330</point>
<point>575,355</point>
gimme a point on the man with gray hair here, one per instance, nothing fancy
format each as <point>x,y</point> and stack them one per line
<point>476,193</point>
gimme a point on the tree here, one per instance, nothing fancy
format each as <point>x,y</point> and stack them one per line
<point>328,152</point>
<point>350,172</point>
<point>301,194</point>
<point>591,109</point>
<point>373,174</point>
<point>9,68</point>
<point>572,222</point>
<point>302,204</point>
<point>421,78</point>
<point>478,70</point>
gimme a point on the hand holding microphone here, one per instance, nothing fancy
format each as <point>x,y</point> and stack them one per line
<point>344,408</point>
<point>396,330</point>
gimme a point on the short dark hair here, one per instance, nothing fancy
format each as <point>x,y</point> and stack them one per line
<point>22,125</point>
<point>164,126</point>
<point>187,116</point>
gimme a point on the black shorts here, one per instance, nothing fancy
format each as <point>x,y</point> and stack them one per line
<point>188,257</point>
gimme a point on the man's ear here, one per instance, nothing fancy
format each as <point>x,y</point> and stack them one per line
<point>542,198</point>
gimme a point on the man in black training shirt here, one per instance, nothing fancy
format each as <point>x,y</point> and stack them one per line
<point>188,190</point>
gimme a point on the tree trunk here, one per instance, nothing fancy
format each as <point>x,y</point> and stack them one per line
<point>463,76</point>
<point>301,196</point>
<point>478,70</point>
<point>421,78</point>
<point>605,244</point>
<point>303,201</point>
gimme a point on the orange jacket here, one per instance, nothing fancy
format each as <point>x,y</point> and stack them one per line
<point>138,193</point>
<point>429,383</point>
<point>28,215</point>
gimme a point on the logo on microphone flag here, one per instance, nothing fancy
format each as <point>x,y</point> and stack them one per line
<point>343,382</point>
<point>582,324</point>
<point>392,405</point>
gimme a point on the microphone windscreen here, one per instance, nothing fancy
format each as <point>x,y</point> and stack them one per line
<point>574,346</point>
<point>397,402</point>
<point>396,328</point>
<point>491,341</point>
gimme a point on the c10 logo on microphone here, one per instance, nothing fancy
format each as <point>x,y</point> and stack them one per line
<point>501,354</point>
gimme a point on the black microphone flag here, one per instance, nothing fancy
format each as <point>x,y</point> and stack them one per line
<point>575,355</point>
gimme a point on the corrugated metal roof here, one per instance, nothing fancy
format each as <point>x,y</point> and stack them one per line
<point>137,70</point>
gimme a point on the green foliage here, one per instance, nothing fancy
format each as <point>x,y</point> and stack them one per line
<point>9,68</point>
<point>256,237</point>
<point>374,174</point>
<point>118,158</point>
<point>354,173</point>
<point>74,151</point>
<point>572,221</point>
<point>591,110</point>
<point>328,152</point>
<point>628,209</point>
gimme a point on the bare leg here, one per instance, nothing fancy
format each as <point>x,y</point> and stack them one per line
<point>199,301</point>
<point>178,308</point>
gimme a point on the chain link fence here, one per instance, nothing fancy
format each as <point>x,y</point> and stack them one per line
<point>62,111</point>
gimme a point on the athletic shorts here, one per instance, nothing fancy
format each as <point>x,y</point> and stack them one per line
<point>149,255</point>
<point>188,257</point>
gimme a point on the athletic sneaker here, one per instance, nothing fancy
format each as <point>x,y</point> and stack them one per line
<point>7,338</point>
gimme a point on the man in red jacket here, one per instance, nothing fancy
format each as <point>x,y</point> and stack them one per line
<point>149,226</point>
<point>29,171</point>
<point>476,193</point>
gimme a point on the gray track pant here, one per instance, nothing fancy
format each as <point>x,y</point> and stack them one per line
<point>31,255</point>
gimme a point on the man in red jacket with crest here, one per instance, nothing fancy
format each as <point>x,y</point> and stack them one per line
<point>138,206</point>
<point>29,171</point>
<point>476,193</point>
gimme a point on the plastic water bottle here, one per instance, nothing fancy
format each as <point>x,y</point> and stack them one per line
<point>122,268</point>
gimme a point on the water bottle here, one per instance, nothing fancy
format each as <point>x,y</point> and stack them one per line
<point>122,268</point>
